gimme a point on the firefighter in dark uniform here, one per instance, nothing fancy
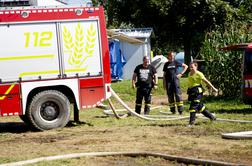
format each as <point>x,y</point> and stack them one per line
<point>144,79</point>
<point>195,93</point>
<point>171,83</point>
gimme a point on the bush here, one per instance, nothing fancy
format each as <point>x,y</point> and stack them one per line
<point>224,69</point>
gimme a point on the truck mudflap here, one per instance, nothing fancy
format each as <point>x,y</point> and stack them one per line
<point>10,101</point>
<point>92,91</point>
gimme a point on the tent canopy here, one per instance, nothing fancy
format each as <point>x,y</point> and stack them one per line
<point>112,34</point>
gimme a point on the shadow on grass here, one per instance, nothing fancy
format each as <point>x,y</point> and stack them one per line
<point>14,127</point>
<point>79,123</point>
<point>245,109</point>
<point>21,127</point>
<point>165,125</point>
<point>233,111</point>
<point>101,116</point>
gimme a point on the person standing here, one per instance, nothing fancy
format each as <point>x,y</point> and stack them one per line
<point>144,79</point>
<point>171,82</point>
<point>195,92</point>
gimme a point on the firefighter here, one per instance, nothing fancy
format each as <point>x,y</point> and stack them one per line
<point>195,93</point>
<point>171,83</point>
<point>144,79</point>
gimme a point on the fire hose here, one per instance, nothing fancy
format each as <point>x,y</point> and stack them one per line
<point>238,135</point>
<point>178,159</point>
<point>132,112</point>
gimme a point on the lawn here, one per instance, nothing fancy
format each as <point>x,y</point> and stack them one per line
<point>101,133</point>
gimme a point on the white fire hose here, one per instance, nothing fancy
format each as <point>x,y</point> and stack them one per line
<point>238,135</point>
<point>138,115</point>
<point>178,159</point>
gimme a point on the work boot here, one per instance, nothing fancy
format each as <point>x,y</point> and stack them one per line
<point>192,118</point>
<point>180,110</point>
<point>146,110</point>
<point>208,114</point>
<point>173,110</point>
<point>138,109</point>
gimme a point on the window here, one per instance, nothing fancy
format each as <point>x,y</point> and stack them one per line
<point>248,62</point>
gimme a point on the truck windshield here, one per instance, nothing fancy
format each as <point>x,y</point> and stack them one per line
<point>248,62</point>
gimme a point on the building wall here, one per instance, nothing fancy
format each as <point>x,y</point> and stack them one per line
<point>133,54</point>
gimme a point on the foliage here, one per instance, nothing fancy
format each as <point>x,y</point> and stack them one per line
<point>177,25</point>
<point>224,68</point>
<point>183,25</point>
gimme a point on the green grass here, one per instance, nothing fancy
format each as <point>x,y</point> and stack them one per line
<point>99,132</point>
<point>225,108</point>
<point>217,104</point>
<point>124,89</point>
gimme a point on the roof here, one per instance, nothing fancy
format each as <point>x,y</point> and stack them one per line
<point>136,32</point>
<point>240,47</point>
<point>112,34</point>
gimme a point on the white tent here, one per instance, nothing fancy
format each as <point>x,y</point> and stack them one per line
<point>158,62</point>
<point>134,43</point>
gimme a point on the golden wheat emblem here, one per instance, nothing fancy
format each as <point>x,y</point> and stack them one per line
<point>78,50</point>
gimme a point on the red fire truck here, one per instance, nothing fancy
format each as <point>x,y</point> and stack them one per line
<point>50,58</point>
<point>246,70</point>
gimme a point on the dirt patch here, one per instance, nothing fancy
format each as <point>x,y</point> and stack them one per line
<point>106,134</point>
<point>163,100</point>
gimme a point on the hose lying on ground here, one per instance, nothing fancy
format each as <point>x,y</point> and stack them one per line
<point>114,112</point>
<point>140,116</point>
<point>163,118</point>
<point>179,159</point>
<point>239,135</point>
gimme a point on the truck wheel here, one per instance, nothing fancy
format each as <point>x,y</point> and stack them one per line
<point>49,109</point>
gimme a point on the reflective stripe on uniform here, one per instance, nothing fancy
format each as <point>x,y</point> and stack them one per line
<point>180,103</point>
<point>200,89</point>
<point>192,110</point>
<point>138,104</point>
<point>147,104</point>
<point>172,105</point>
<point>202,109</point>
<point>196,101</point>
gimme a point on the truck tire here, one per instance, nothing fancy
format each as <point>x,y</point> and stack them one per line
<point>48,110</point>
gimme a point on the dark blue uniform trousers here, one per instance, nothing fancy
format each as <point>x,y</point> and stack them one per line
<point>146,94</point>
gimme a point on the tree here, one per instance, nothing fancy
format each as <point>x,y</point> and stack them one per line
<point>177,25</point>
<point>224,68</point>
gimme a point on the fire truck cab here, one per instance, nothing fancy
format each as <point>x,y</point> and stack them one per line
<point>51,57</point>
<point>247,75</point>
<point>246,70</point>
